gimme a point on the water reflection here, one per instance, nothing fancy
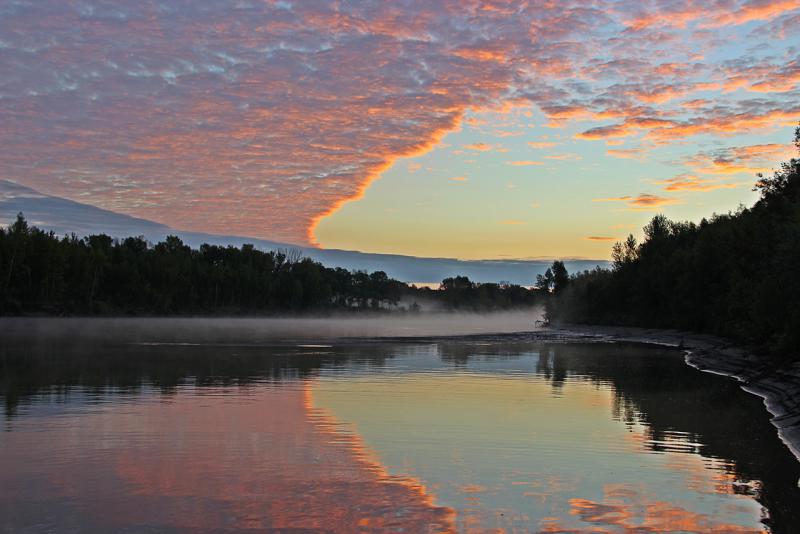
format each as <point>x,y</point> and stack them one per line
<point>436,437</point>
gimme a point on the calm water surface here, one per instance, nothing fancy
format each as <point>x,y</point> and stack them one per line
<point>460,435</point>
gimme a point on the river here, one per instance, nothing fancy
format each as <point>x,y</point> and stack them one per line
<point>165,431</point>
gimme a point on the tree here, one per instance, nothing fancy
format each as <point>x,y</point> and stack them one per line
<point>732,275</point>
<point>785,182</point>
<point>560,276</point>
<point>101,275</point>
<point>624,253</point>
<point>545,281</point>
<point>555,279</point>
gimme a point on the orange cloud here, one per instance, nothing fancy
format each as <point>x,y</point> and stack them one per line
<point>710,16</point>
<point>603,132</point>
<point>481,54</point>
<point>643,202</point>
<point>751,11</point>
<point>600,238</point>
<point>725,124</point>
<point>564,157</point>
<point>749,159</point>
<point>779,82</point>
<point>541,144</point>
<point>480,147</point>
<point>688,182</point>
<point>625,153</point>
<point>522,163</point>
<point>288,114</point>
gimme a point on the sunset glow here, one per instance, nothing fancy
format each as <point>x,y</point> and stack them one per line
<point>479,129</point>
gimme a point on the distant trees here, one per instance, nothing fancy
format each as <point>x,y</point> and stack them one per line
<point>43,273</point>
<point>732,275</point>
<point>98,275</point>
<point>460,293</point>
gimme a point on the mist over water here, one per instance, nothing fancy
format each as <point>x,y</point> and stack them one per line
<point>430,435</point>
<point>274,329</point>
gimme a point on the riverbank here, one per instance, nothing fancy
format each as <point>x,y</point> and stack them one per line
<point>779,386</point>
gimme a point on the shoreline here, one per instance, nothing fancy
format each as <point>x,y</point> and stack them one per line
<point>779,388</point>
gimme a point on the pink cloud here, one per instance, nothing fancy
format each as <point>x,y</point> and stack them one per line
<point>541,144</point>
<point>625,153</point>
<point>524,163</point>
<point>688,182</point>
<point>642,202</point>
<point>479,147</point>
<point>264,119</point>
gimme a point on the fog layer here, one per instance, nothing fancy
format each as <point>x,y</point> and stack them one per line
<point>267,330</point>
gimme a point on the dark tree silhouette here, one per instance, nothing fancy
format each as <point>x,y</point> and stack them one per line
<point>560,277</point>
<point>732,275</point>
<point>42,273</point>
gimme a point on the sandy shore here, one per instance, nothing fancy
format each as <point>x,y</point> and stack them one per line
<point>780,388</point>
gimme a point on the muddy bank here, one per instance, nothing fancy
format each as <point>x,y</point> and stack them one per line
<point>779,386</point>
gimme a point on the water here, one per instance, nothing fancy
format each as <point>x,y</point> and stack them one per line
<point>139,435</point>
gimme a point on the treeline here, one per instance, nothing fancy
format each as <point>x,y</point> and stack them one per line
<point>97,275</point>
<point>462,294</point>
<point>733,275</point>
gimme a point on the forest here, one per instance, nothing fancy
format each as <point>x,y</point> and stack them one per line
<point>733,275</point>
<point>44,274</point>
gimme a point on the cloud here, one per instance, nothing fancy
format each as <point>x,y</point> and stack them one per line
<point>688,182</point>
<point>600,238</point>
<point>627,128</point>
<point>459,179</point>
<point>749,159</point>
<point>603,132</point>
<point>625,153</point>
<point>480,147</point>
<point>564,157</point>
<point>506,133</point>
<point>541,144</point>
<point>524,163</point>
<point>712,14</point>
<point>643,202</point>
<point>264,118</point>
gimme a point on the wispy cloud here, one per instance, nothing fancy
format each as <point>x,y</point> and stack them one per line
<point>480,147</point>
<point>524,163</point>
<point>541,144</point>
<point>642,202</point>
<point>625,153</point>
<point>688,182</point>
<point>749,159</point>
<point>571,156</point>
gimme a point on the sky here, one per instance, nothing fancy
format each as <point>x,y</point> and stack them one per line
<point>467,129</point>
